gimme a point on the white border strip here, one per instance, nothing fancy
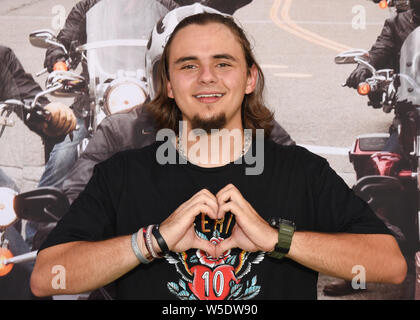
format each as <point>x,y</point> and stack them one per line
<point>326,150</point>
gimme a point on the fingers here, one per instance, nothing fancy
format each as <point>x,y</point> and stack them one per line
<point>249,233</point>
<point>206,246</point>
<point>61,121</point>
<point>230,193</point>
<point>357,76</point>
<point>224,246</point>
<point>351,82</point>
<point>176,229</point>
<point>204,197</point>
<point>231,207</point>
<point>251,230</point>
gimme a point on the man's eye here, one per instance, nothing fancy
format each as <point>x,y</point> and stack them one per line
<point>188,66</point>
<point>223,65</point>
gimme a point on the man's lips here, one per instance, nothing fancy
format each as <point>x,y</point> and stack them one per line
<point>208,97</point>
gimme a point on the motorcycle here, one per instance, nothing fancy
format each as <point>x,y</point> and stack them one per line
<point>114,57</point>
<point>43,205</point>
<point>389,180</point>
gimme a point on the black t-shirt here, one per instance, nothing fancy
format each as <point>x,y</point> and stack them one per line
<point>132,190</point>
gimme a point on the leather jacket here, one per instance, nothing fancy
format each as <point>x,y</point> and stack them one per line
<point>16,83</point>
<point>385,53</point>
<point>124,131</point>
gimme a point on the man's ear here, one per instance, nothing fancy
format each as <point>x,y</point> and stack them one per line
<point>252,79</point>
<point>169,90</point>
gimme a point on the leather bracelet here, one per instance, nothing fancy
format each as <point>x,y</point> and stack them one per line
<point>161,242</point>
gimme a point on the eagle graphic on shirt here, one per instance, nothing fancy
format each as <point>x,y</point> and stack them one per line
<point>206,278</point>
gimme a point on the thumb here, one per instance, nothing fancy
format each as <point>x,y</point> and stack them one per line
<point>224,246</point>
<point>206,246</point>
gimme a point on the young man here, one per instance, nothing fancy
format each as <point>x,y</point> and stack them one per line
<point>213,230</point>
<point>136,129</point>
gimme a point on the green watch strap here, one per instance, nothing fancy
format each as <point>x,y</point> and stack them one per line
<point>285,235</point>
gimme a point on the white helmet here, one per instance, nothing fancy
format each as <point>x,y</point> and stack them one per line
<point>160,35</point>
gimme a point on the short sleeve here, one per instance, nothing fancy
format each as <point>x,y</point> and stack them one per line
<point>338,208</point>
<point>91,217</point>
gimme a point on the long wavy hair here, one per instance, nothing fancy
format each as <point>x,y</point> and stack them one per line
<point>255,115</point>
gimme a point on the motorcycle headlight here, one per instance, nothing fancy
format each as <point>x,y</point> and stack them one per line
<point>7,212</point>
<point>123,94</point>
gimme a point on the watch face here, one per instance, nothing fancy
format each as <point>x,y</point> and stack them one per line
<point>275,222</point>
<point>287,222</point>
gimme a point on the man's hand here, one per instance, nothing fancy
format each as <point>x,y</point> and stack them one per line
<point>61,120</point>
<point>178,229</point>
<point>54,55</point>
<point>358,75</point>
<point>251,232</point>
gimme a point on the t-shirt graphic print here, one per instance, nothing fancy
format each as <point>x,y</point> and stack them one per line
<point>203,277</point>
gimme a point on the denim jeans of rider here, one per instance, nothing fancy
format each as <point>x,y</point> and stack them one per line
<point>60,163</point>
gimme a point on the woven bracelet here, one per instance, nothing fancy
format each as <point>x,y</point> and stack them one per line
<point>149,243</point>
<point>136,249</point>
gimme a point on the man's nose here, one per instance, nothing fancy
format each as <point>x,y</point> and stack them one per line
<point>207,75</point>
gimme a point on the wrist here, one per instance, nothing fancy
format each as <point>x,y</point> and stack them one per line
<point>286,230</point>
<point>151,243</point>
<point>273,239</point>
<point>142,246</point>
<point>156,245</point>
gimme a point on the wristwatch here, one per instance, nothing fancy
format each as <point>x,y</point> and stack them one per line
<point>286,230</point>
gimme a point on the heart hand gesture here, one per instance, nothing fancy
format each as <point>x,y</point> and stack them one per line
<point>250,232</point>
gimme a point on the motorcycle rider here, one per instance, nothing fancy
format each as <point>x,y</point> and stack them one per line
<point>15,83</point>
<point>385,53</point>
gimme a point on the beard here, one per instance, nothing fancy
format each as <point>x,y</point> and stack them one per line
<point>216,122</point>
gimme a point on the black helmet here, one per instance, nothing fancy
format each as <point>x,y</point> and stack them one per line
<point>402,5</point>
<point>415,5</point>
